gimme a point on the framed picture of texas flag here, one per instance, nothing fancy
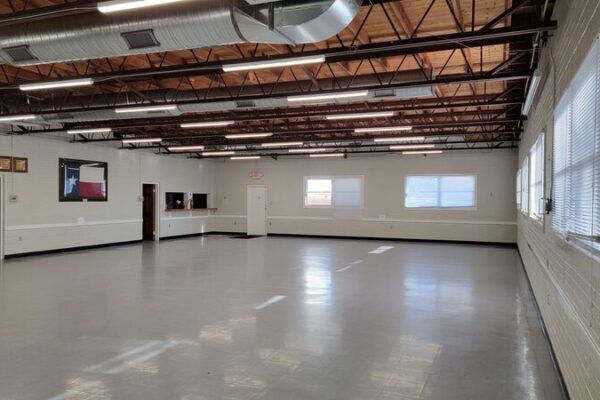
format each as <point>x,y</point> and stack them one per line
<point>82,180</point>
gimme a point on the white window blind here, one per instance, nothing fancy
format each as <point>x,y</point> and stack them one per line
<point>525,186</point>
<point>577,154</point>
<point>518,191</point>
<point>337,191</point>
<point>440,191</point>
<point>536,179</point>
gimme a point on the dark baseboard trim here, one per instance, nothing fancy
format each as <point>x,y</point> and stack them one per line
<point>67,249</point>
<point>499,244</point>
<point>561,378</point>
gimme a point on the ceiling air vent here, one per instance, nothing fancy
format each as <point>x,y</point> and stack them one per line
<point>245,104</point>
<point>20,54</point>
<point>140,39</point>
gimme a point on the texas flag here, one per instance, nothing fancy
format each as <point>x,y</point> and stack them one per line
<point>85,181</point>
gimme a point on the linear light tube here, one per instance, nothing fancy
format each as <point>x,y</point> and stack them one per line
<point>398,139</point>
<point>247,135</point>
<point>165,107</point>
<point>185,148</point>
<point>142,140</point>
<point>17,118</point>
<point>218,153</point>
<point>326,155</point>
<point>361,115</point>
<point>245,158</point>
<point>383,129</point>
<point>533,86</point>
<point>309,150</point>
<point>91,130</point>
<point>412,146</point>
<point>107,7</point>
<point>56,84</point>
<point>281,144</point>
<point>207,124</point>
<point>273,63</point>
<point>423,152</point>
<point>330,96</point>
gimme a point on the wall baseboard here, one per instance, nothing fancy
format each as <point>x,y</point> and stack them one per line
<point>561,378</point>
<point>499,244</point>
<point>67,249</point>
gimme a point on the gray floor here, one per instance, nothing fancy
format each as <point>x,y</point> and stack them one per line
<point>206,318</point>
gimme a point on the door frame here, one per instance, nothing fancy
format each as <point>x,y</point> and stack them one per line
<point>2,222</point>
<point>248,210</point>
<point>157,202</point>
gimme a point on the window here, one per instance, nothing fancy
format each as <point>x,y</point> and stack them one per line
<point>525,186</point>
<point>336,191</point>
<point>536,179</point>
<point>519,189</point>
<point>577,154</point>
<point>443,191</point>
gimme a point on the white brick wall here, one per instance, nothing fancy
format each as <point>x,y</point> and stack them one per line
<point>566,281</point>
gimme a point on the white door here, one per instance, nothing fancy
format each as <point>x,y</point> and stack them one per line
<point>257,210</point>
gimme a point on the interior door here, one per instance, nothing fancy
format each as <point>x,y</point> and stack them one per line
<point>149,193</point>
<point>257,210</point>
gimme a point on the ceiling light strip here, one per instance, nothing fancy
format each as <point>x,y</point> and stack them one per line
<point>240,158</point>
<point>423,152</point>
<point>142,140</point>
<point>165,107</point>
<point>383,129</point>
<point>282,144</point>
<point>248,135</point>
<point>328,96</point>
<point>412,146</point>
<point>217,153</point>
<point>273,63</point>
<point>381,114</point>
<point>207,124</point>
<point>114,6</point>
<point>185,148</point>
<point>326,155</point>
<point>56,84</point>
<point>11,118</point>
<point>399,139</point>
<point>86,131</point>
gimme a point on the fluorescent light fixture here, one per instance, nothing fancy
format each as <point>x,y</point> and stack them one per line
<point>245,158</point>
<point>142,140</point>
<point>218,153</point>
<point>185,148</point>
<point>273,63</point>
<point>247,135</point>
<point>398,139</point>
<point>330,96</point>
<point>383,129</point>
<point>91,130</point>
<point>533,86</point>
<point>11,118</point>
<point>326,155</point>
<point>207,124</point>
<point>165,107</point>
<point>107,7</point>
<point>56,84</point>
<point>412,146</point>
<point>361,115</point>
<point>423,152</point>
<point>309,150</point>
<point>282,144</point>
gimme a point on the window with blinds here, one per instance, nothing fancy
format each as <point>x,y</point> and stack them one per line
<point>525,186</point>
<point>443,191</point>
<point>536,179</point>
<point>335,191</point>
<point>576,171</point>
<point>518,191</point>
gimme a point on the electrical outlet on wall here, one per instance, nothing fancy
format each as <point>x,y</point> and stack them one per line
<point>13,198</point>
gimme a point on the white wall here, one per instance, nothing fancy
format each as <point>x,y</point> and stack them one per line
<point>566,281</point>
<point>384,214</point>
<point>38,221</point>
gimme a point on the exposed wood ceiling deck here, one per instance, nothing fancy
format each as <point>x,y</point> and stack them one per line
<point>477,55</point>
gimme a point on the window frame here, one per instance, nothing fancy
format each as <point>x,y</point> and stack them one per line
<point>525,186</point>
<point>533,182</point>
<point>332,178</point>
<point>467,208</point>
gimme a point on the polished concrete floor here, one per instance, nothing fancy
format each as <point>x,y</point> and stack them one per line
<point>278,318</point>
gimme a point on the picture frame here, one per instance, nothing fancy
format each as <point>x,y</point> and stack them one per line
<point>20,164</point>
<point>5,164</point>
<point>82,180</point>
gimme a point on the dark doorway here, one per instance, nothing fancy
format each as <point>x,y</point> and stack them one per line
<point>149,211</point>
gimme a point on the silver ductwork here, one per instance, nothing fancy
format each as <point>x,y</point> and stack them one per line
<point>187,25</point>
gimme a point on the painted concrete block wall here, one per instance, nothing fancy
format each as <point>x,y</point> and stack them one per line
<point>565,279</point>
<point>384,214</point>
<point>38,221</point>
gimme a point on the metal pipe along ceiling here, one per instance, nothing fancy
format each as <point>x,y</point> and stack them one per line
<point>185,25</point>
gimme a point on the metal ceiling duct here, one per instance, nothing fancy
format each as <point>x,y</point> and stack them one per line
<point>186,25</point>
